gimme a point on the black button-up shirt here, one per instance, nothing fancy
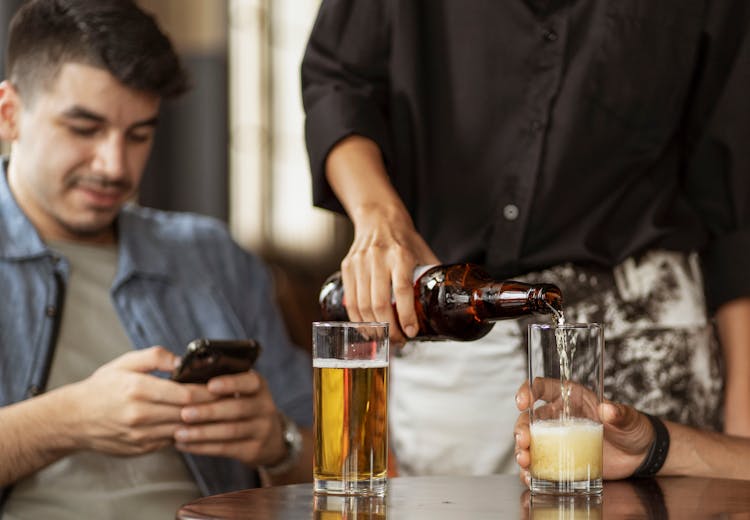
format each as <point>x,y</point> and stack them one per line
<point>526,134</point>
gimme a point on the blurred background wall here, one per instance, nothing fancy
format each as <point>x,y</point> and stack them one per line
<point>233,148</point>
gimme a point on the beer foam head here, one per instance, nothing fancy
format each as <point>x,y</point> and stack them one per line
<point>560,426</point>
<point>349,363</point>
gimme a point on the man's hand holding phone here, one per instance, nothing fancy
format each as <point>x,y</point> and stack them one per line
<point>122,409</point>
<point>243,421</point>
<point>126,411</point>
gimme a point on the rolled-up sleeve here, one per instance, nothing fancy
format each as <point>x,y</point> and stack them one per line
<point>344,84</point>
<point>719,168</point>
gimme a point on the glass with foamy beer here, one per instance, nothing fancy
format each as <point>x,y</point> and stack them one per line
<point>566,371</point>
<point>350,392</point>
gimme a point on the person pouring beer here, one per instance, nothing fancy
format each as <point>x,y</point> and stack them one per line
<point>523,137</point>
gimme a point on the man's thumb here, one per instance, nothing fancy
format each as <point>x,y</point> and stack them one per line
<point>147,360</point>
<point>613,414</point>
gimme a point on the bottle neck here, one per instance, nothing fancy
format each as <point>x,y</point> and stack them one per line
<point>547,299</point>
<point>510,299</point>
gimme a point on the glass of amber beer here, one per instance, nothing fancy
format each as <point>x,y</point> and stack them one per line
<point>350,390</point>
<point>566,371</point>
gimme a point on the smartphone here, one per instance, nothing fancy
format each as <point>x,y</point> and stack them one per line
<point>207,358</point>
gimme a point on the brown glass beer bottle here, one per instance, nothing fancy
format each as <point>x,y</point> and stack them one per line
<point>458,301</point>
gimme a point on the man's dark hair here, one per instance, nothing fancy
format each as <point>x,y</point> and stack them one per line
<point>115,35</point>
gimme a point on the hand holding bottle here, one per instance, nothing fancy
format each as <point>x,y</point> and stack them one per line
<point>386,246</point>
<point>456,301</point>
<point>378,269</point>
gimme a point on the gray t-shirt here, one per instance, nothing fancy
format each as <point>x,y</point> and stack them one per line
<point>90,484</point>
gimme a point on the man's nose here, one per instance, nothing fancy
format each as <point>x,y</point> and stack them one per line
<point>110,156</point>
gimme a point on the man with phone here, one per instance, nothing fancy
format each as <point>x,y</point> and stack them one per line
<point>99,294</point>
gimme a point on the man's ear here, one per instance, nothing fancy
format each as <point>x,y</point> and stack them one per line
<point>10,107</point>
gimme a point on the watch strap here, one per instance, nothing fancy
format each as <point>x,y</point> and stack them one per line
<point>293,443</point>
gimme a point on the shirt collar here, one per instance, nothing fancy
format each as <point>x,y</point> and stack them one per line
<point>19,239</point>
<point>141,251</point>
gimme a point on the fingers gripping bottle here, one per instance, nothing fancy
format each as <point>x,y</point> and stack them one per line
<point>458,301</point>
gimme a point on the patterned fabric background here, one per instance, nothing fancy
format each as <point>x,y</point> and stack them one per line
<point>661,352</point>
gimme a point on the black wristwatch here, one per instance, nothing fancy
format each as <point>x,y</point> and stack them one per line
<point>293,442</point>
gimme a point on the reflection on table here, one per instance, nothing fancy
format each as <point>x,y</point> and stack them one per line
<point>329,507</point>
<point>494,497</point>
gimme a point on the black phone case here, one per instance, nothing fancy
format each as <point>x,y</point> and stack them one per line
<point>207,358</point>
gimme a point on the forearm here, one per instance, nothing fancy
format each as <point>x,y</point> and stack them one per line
<point>386,248</point>
<point>702,453</point>
<point>733,321</point>
<point>32,436</point>
<point>356,172</point>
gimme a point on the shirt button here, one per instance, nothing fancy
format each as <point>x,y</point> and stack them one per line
<point>536,125</point>
<point>550,36</point>
<point>50,311</point>
<point>510,212</point>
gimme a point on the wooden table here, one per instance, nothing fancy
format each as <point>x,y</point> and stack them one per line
<point>495,497</point>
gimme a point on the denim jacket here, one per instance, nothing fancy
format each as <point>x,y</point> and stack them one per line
<point>179,277</point>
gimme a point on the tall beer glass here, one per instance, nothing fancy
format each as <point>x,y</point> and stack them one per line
<point>566,371</point>
<point>350,378</point>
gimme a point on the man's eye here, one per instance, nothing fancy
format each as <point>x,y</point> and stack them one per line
<point>85,131</point>
<point>141,137</point>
